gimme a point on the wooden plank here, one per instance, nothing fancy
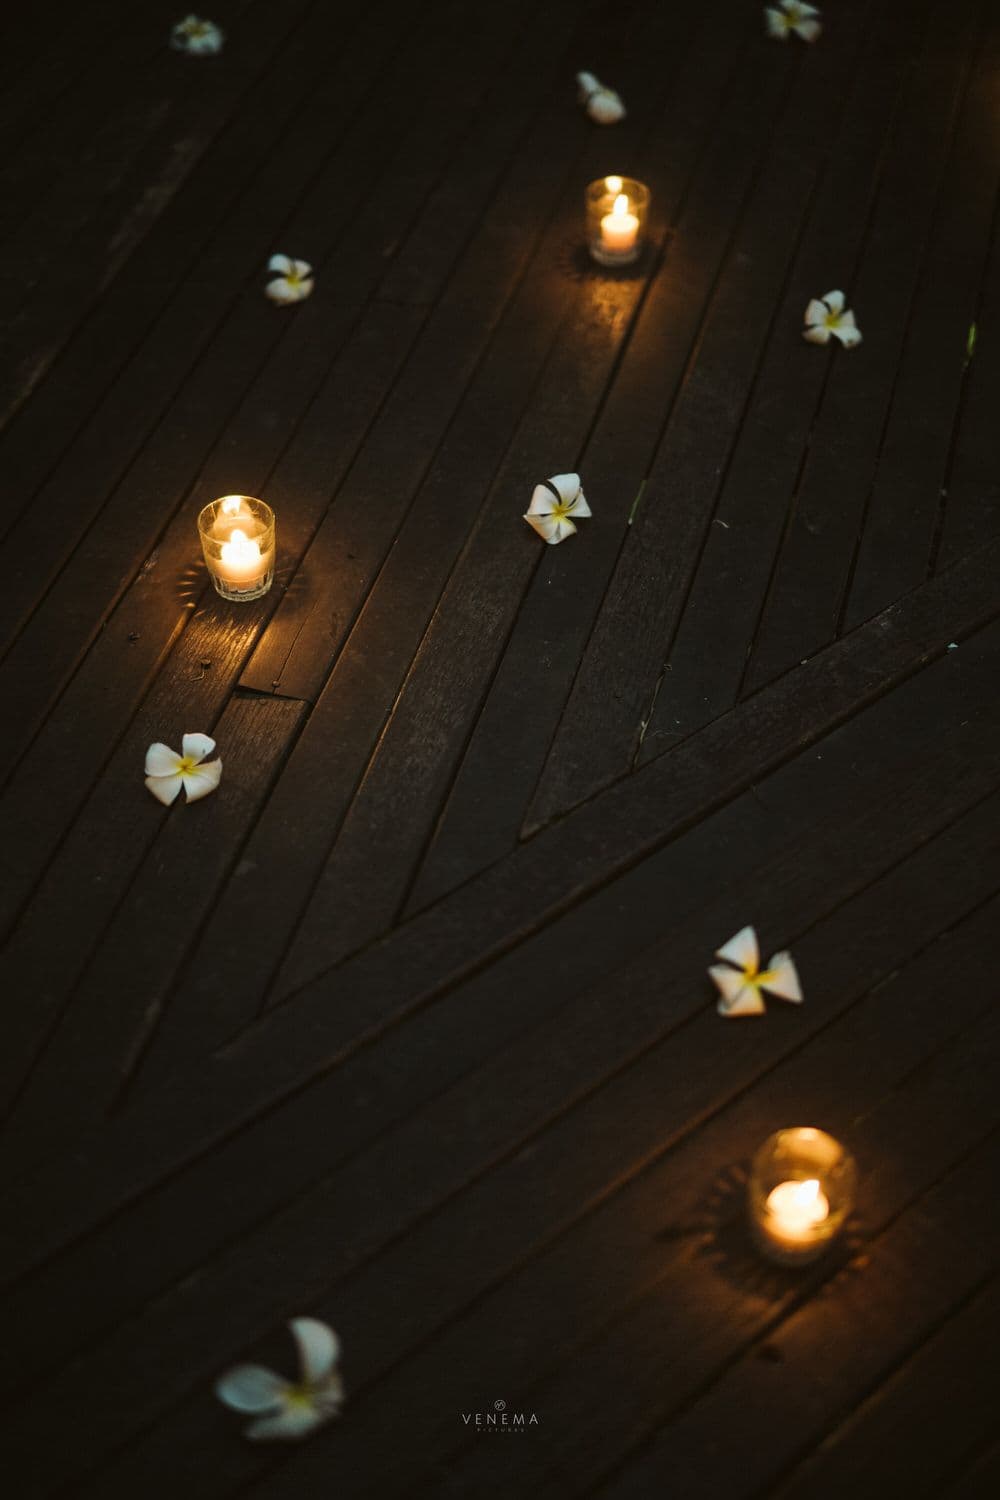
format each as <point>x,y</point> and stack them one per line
<point>404,783</point>
<point>293,835</point>
<point>485,807</point>
<point>401,974</point>
<point>707,660</point>
<point>90,483</point>
<point>533,1048</point>
<point>623,825</point>
<point>56,107</point>
<point>972,499</point>
<point>981,1477</point>
<point>759,1411</point>
<point>41,802</point>
<point>811,573</point>
<point>939,1394</point>
<point>66,251</point>
<point>600,733</point>
<point>59,967</point>
<point>170,895</point>
<point>489,801</point>
<point>204,1105</point>
<point>895,548</point>
<point>831,1348</point>
<point>121,541</point>
<point>588,342</point>
<point>449,1261</point>
<point>296,652</point>
<point>170,254</point>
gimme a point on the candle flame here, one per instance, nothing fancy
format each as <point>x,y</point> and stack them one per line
<point>613,184</point>
<point>797,1207</point>
<point>621,206</point>
<point>808,1194</point>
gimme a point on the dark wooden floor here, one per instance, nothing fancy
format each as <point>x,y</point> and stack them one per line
<point>409,1026</point>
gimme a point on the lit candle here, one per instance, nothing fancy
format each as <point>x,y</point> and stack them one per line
<point>619,229</point>
<point>238,543</point>
<point>233,512</point>
<point>799,1193</point>
<point>241,561</point>
<point>795,1208</point>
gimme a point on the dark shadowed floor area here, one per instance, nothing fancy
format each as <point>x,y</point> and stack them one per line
<point>408,1026</point>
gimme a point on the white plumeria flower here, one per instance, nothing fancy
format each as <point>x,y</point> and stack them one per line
<point>826,317</point>
<point>789,16</point>
<point>289,1410</point>
<point>167,772</point>
<point>602,104</point>
<point>293,281</point>
<point>203,38</point>
<point>553,503</point>
<point>740,979</point>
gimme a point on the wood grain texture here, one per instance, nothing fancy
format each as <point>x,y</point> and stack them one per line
<point>408,1026</point>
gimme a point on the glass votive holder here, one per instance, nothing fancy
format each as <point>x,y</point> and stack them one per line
<point>617,215</point>
<point>801,1190</point>
<point>238,542</point>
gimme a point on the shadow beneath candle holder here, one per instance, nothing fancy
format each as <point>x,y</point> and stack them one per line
<point>190,582</point>
<point>723,1238</point>
<point>576,261</point>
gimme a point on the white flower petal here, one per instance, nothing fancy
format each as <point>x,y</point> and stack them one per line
<point>319,1348</point>
<point>202,779</point>
<point>161,760</point>
<point>817,335</point>
<point>736,997</point>
<point>295,1420</point>
<point>252,1388</point>
<point>579,506</point>
<point>546,526</point>
<point>286,291</point>
<point>806,10</point>
<point>568,486</point>
<point>847,332</point>
<point>816,311</point>
<point>551,529</point>
<point>197,746</point>
<point>727,981</point>
<point>329,1397</point>
<point>587,84</point>
<point>196,36</point>
<point>281,290</point>
<point>835,301</point>
<point>808,30</point>
<point>164,788</point>
<point>783,978</point>
<point>301,268</point>
<point>543,502</point>
<point>605,107</point>
<point>741,950</point>
<point>775,24</point>
<point>280,263</point>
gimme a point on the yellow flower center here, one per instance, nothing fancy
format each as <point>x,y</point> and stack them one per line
<point>299,1395</point>
<point>832,320</point>
<point>185,764</point>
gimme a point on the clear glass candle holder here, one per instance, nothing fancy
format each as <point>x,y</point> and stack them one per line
<point>617,218</point>
<point>238,542</point>
<point>800,1192</point>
